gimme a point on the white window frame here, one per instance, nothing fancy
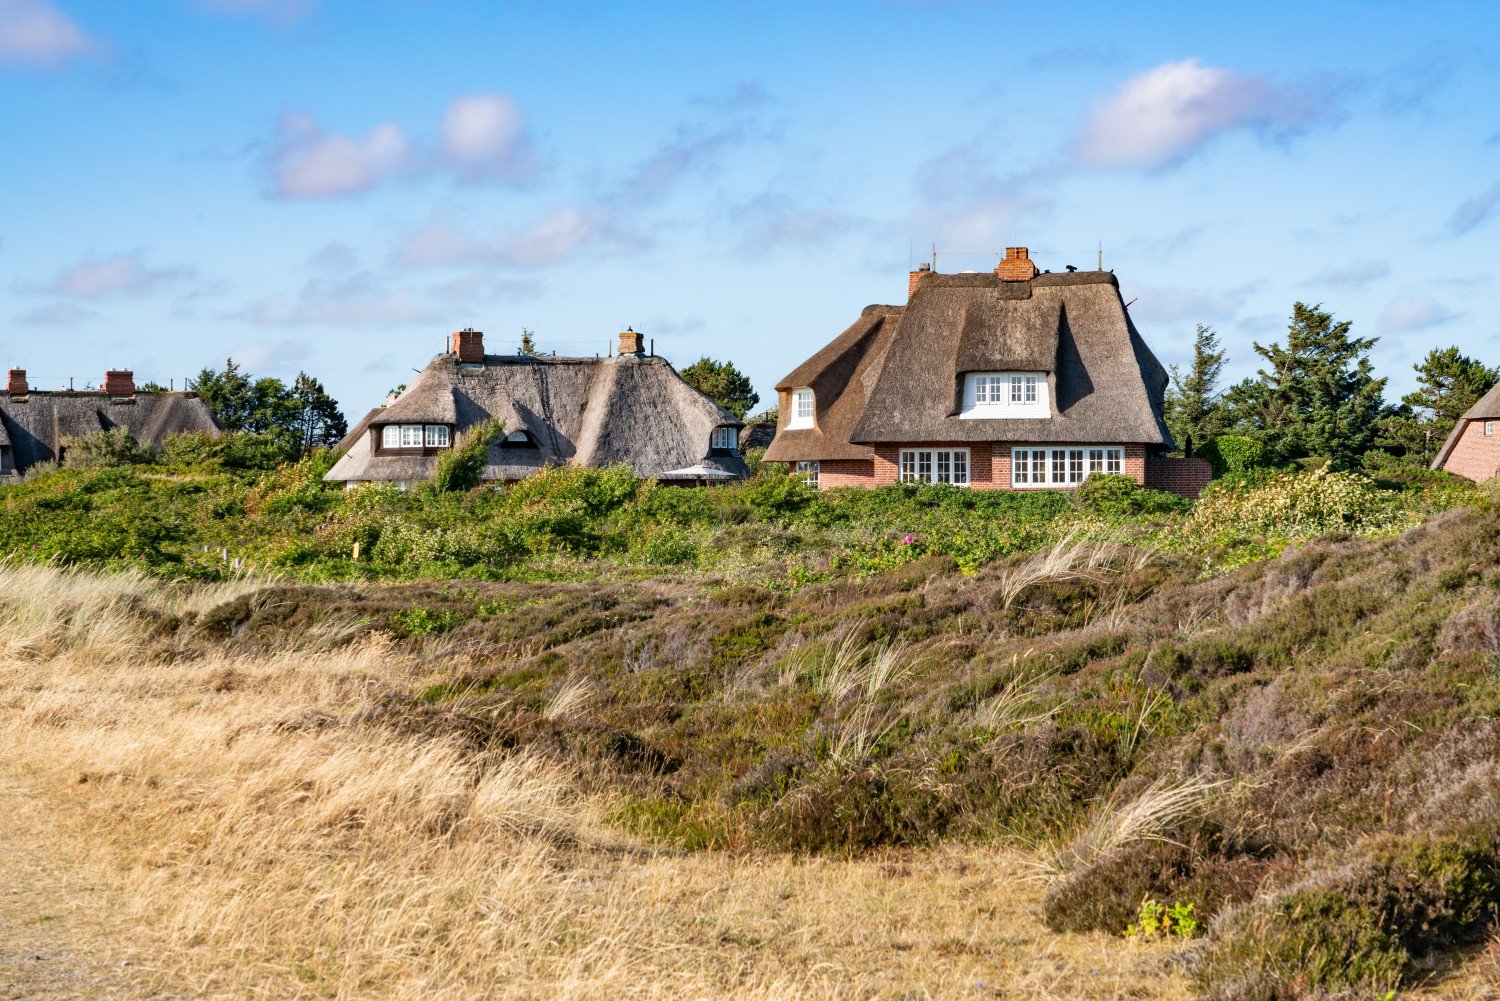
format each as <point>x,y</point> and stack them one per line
<point>935,465</point>
<point>436,436</point>
<point>803,408</point>
<point>724,439</point>
<point>808,470</point>
<point>415,436</point>
<point>1005,395</point>
<point>1489,428</point>
<point>390,436</point>
<point>1034,467</point>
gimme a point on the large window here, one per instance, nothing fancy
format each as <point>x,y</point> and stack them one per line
<point>802,409</point>
<point>724,440</point>
<point>414,436</point>
<point>808,470</point>
<point>935,465</point>
<point>1063,467</point>
<point>1005,394</point>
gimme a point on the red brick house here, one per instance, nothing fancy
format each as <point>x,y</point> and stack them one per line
<point>1473,448</point>
<point>1010,380</point>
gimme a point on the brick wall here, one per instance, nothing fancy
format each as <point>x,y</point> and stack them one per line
<point>1475,454</point>
<point>119,382</point>
<point>845,473</point>
<point>1184,477</point>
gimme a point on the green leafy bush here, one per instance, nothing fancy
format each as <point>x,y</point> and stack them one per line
<point>462,466</point>
<point>1229,454</point>
<point>1117,495</point>
<point>112,447</point>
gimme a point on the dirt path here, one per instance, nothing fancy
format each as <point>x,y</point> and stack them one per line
<point>54,944</point>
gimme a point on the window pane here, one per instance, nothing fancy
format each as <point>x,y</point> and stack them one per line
<point>944,467</point>
<point>411,436</point>
<point>1096,460</point>
<point>1116,460</point>
<point>961,467</point>
<point>1018,466</point>
<point>1015,389</point>
<point>1059,466</point>
<point>390,436</point>
<point>924,467</point>
<point>437,436</point>
<point>1031,389</point>
<point>1075,465</point>
<point>908,466</point>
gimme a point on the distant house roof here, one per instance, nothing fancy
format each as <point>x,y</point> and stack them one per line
<point>35,426</point>
<point>897,374</point>
<point>1486,408</point>
<point>587,411</point>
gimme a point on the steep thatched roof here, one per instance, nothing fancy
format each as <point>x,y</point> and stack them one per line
<point>841,376</point>
<point>1105,385</point>
<point>587,411</point>
<point>37,424</point>
<point>1487,408</point>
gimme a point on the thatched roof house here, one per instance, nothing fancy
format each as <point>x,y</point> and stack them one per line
<point>1003,380</point>
<point>1473,447</point>
<point>37,425</point>
<point>632,409</point>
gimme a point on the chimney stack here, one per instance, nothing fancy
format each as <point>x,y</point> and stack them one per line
<point>632,343</point>
<point>1017,266</point>
<point>17,386</point>
<point>119,382</point>
<point>468,344</point>
<point>916,276</point>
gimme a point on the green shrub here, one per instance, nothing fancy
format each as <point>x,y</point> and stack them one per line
<point>462,466</point>
<point>1233,453</point>
<point>1117,495</point>
<point>240,450</point>
<point>112,447</point>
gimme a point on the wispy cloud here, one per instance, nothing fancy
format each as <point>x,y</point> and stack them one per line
<point>358,300</point>
<point>1354,275</point>
<point>1415,313</point>
<point>770,222</point>
<point>1168,304</point>
<point>553,239</point>
<point>278,12</point>
<point>481,140</point>
<point>1166,115</point>
<point>122,275</point>
<point>56,314</point>
<point>34,33</point>
<point>1474,212</point>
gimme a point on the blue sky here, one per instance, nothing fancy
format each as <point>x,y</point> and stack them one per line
<point>333,186</point>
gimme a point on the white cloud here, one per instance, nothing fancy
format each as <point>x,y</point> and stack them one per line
<point>1180,305</point>
<point>307,162</point>
<point>557,237</point>
<point>264,355</point>
<point>1474,212</point>
<point>356,301</point>
<point>1415,313</point>
<point>769,222</point>
<point>118,276</point>
<point>438,244</point>
<point>482,138</point>
<point>1165,115</point>
<point>1354,275</point>
<point>35,33</point>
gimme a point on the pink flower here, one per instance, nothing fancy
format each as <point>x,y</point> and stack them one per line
<point>909,540</point>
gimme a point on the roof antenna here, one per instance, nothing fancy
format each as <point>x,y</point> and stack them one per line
<point>1101,255</point>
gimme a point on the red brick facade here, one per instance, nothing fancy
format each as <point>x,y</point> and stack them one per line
<point>468,345</point>
<point>1184,477</point>
<point>1476,455</point>
<point>119,382</point>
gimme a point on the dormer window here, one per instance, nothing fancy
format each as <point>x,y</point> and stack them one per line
<point>802,408</point>
<point>1005,395</point>
<point>517,439</point>
<point>415,436</point>
<point>724,439</point>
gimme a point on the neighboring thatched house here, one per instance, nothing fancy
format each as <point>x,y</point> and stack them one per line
<point>37,425</point>
<point>632,409</point>
<point>1473,447</point>
<point>1010,380</point>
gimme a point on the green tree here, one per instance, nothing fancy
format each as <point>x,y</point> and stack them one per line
<point>319,421</point>
<point>462,466</point>
<point>528,346</point>
<point>721,382</point>
<point>1448,384</point>
<point>1192,406</point>
<point>227,394</point>
<point>1318,395</point>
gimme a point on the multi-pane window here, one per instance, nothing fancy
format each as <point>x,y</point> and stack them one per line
<point>1489,427</point>
<point>414,436</point>
<point>1063,467</point>
<point>724,439</point>
<point>802,409</point>
<point>1005,394</point>
<point>808,470</point>
<point>935,465</point>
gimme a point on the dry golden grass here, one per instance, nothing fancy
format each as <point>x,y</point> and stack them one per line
<point>240,828</point>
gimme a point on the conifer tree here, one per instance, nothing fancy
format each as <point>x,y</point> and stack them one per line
<point>1192,405</point>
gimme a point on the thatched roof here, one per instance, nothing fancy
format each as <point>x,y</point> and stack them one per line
<point>1105,385</point>
<point>1486,408</point>
<point>587,411</point>
<point>842,376</point>
<point>37,424</point>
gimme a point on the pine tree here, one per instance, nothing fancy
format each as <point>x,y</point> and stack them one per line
<point>721,382</point>
<point>319,422</point>
<point>1448,384</point>
<point>1192,407</point>
<point>1318,396</point>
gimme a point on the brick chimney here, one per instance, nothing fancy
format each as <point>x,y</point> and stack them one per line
<point>916,276</point>
<point>119,382</point>
<point>468,344</point>
<point>632,343</point>
<point>17,384</point>
<point>1017,266</point>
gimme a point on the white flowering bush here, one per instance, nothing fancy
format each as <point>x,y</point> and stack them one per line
<point>1296,506</point>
